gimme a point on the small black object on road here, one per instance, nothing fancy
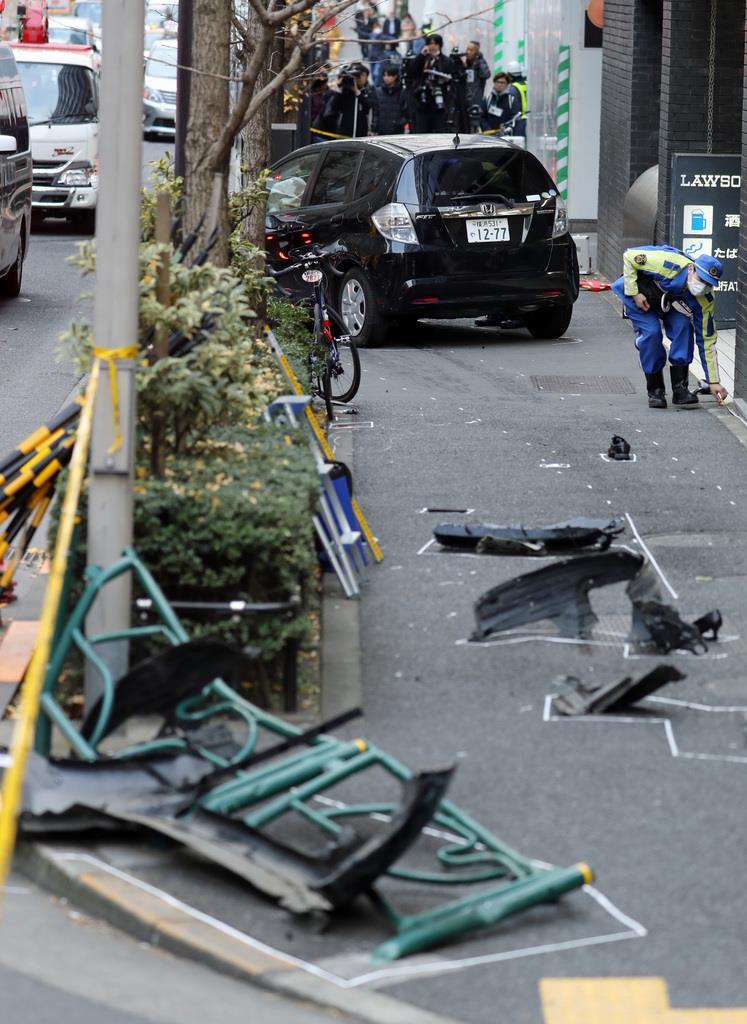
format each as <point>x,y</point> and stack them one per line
<point>619,450</point>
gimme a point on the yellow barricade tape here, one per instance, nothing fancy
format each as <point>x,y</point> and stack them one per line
<point>111,356</point>
<point>328,135</point>
<point>23,733</point>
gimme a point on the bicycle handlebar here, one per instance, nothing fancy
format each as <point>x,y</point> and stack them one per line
<point>307,255</point>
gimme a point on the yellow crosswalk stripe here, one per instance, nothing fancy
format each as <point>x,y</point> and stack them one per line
<point>622,1001</point>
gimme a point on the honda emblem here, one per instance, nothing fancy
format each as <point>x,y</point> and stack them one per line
<point>488,209</point>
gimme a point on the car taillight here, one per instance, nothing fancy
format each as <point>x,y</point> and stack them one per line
<point>560,224</point>
<point>393,222</point>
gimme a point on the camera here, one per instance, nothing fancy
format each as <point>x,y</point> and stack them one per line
<point>346,79</point>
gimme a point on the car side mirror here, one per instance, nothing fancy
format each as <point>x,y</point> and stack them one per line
<point>8,144</point>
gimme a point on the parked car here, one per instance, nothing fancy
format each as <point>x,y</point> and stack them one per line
<point>15,177</point>
<point>61,87</point>
<point>424,227</point>
<point>159,90</point>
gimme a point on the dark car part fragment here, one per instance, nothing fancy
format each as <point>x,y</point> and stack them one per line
<point>656,623</point>
<point>711,623</point>
<point>584,699</point>
<point>520,540</point>
<point>560,592</point>
<point>619,449</point>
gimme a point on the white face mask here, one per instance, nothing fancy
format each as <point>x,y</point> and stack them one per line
<point>696,286</point>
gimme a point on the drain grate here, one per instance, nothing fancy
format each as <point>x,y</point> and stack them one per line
<point>583,385</point>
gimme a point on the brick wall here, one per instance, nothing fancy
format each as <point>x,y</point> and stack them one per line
<point>684,87</point>
<point>629,132</point>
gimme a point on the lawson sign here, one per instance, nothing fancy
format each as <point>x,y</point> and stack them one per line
<point>705,217</point>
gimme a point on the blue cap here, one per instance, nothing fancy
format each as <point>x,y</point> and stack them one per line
<point>709,269</point>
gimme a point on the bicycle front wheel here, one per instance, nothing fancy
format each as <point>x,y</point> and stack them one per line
<point>344,365</point>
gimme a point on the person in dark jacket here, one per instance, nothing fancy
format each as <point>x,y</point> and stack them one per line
<point>432,78</point>
<point>319,94</point>
<point>368,93</point>
<point>346,112</point>
<point>476,75</point>
<point>503,105</point>
<point>391,96</point>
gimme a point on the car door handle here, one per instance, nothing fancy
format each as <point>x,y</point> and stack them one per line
<point>337,219</point>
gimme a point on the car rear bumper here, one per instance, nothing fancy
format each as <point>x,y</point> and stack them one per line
<point>405,283</point>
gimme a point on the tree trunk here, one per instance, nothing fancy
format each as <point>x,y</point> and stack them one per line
<point>257,136</point>
<point>208,114</point>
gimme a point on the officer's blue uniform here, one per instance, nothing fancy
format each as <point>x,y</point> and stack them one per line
<point>668,267</point>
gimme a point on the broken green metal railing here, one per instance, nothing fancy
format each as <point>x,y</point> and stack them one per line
<point>469,855</point>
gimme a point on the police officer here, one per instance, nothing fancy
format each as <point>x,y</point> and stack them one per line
<point>660,285</point>
<point>519,86</point>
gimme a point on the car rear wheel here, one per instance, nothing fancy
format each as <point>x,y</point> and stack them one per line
<point>358,310</point>
<point>10,283</point>
<point>549,323</point>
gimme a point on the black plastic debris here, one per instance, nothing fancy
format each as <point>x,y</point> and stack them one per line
<point>560,593</point>
<point>656,623</point>
<point>153,792</point>
<point>595,699</point>
<point>711,623</point>
<point>157,684</point>
<point>619,450</point>
<point>573,534</point>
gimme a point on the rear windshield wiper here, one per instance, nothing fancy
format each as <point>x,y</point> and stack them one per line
<point>460,196</point>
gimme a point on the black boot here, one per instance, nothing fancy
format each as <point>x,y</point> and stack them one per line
<point>657,398</point>
<point>681,393</point>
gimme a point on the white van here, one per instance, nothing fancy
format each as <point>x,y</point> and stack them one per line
<point>61,87</point>
<point>15,177</point>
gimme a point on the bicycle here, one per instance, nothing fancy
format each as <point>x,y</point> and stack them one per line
<point>338,379</point>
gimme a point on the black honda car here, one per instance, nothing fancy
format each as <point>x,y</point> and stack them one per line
<point>427,226</point>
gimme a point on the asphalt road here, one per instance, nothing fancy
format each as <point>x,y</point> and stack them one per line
<point>58,966</point>
<point>35,381</point>
<point>452,417</point>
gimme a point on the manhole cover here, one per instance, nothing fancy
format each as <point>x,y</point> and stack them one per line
<point>583,385</point>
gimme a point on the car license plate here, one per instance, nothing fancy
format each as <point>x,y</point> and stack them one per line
<point>493,230</point>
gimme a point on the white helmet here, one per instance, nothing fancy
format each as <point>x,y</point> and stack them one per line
<point>514,68</point>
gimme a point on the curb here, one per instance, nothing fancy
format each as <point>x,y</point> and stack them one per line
<point>154,917</point>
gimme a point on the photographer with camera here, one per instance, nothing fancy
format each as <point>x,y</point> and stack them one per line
<point>346,111</point>
<point>430,78</point>
<point>476,74</point>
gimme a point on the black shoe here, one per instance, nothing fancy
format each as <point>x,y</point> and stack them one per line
<point>619,450</point>
<point>681,393</point>
<point>657,398</point>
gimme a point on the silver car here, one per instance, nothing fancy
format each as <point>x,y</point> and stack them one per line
<point>159,92</point>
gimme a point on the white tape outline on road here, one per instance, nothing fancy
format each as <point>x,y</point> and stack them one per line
<point>674,749</point>
<point>634,930</point>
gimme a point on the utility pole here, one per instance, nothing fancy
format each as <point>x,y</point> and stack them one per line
<point>116,322</point>
<point>183,82</point>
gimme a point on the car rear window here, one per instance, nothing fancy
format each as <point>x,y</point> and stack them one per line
<point>440,178</point>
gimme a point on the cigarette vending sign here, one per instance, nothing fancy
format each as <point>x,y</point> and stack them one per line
<point>705,217</point>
